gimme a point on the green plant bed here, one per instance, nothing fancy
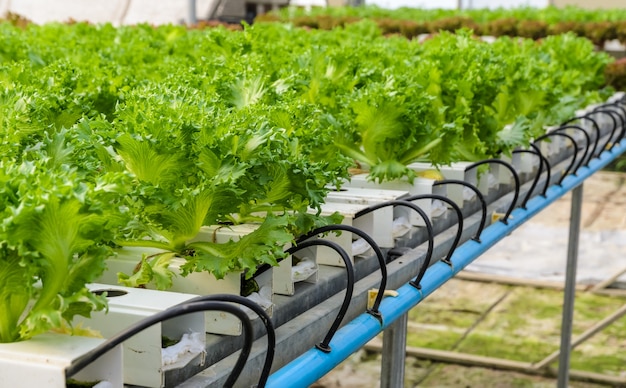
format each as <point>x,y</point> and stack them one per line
<point>610,362</point>
<point>458,308</point>
<point>540,304</point>
<point>441,339</point>
<point>590,308</point>
<point>525,325</point>
<point>140,138</point>
<point>444,315</point>
<point>598,26</point>
<point>535,313</point>
<point>526,313</point>
<point>606,351</point>
<point>507,346</point>
<point>460,376</point>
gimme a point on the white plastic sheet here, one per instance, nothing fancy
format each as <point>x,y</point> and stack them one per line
<point>360,246</point>
<point>536,251</point>
<point>190,343</point>
<point>303,270</point>
<point>263,298</point>
<point>437,208</point>
<point>400,226</point>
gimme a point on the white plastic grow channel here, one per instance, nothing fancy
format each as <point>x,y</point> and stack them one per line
<point>368,197</point>
<point>203,283</point>
<point>197,283</point>
<point>282,275</point>
<point>557,143</point>
<point>585,123</point>
<point>522,163</point>
<point>365,196</point>
<point>456,171</point>
<point>377,224</point>
<point>419,186</point>
<point>42,360</point>
<point>617,97</point>
<point>604,121</point>
<point>145,361</point>
<point>503,175</point>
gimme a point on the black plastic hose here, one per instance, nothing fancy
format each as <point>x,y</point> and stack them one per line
<point>459,216</point>
<point>505,219</point>
<point>429,231</point>
<point>596,127</point>
<point>180,309</point>
<point>573,162</point>
<point>622,116</point>
<point>587,140</point>
<point>612,115</point>
<point>539,172</point>
<point>479,195</point>
<point>548,170</point>
<point>265,318</point>
<point>324,345</point>
<point>379,254</point>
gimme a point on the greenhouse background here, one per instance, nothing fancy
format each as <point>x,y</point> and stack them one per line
<point>177,11</point>
<point>163,163</point>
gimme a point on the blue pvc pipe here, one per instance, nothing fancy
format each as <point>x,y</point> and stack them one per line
<point>314,364</point>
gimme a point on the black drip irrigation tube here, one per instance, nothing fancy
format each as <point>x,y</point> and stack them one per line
<point>180,309</point>
<point>612,115</point>
<point>324,345</point>
<point>570,167</point>
<point>459,216</point>
<point>587,142</point>
<point>265,318</point>
<point>622,117</point>
<point>379,254</point>
<point>429,229</point>
<point>548,171</point>
<point>505,219</point>
<point>479,195</point>
<point>615,105</point>
<point>535,151</point>
<point>596,128</point>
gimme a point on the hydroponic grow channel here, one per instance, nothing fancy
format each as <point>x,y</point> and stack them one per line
<point>300,361</point>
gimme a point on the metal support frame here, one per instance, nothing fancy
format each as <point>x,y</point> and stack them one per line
<point>570,286</point>
<point>394,350</point>
<point>191,8</point>
<point>394,338</point>
<point>313,364</point>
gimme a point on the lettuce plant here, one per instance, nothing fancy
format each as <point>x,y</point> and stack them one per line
<point>191,170</point>
<point>54,233</point>
<point>163,130</point>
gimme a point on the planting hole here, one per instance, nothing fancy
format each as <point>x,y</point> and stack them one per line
<point>111,293</point>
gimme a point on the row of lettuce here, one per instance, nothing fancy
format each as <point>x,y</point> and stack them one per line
<point>598,26</point>
<point>138,136</point>
<point>550,14</point>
